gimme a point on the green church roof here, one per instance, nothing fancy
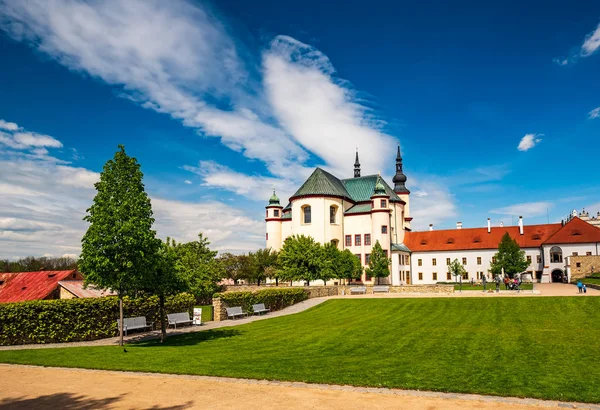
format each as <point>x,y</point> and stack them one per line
<point>274,200</point>
<point>362,188</point>
<point>321,182</point>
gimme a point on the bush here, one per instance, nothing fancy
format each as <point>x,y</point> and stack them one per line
<point>71,320</point>
<point>274,299</point>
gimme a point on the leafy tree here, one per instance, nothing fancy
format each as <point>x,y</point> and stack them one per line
<point>379,264</point>
<point>119,247</point>
<point>510,257</point>
<point>349,266</point>
<point>236,267</point>
<point>264,262</point>
<point>300,259</point>
<point>330,256</point>
<point>457,269</point>
<point>31,264</point>
<point>198,268</point>
<point>165,280</point>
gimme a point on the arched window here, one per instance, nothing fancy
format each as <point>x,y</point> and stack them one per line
<point>332,213</point>
<point>335,242</point>
<point>306,213</point>
<point>556,255</point>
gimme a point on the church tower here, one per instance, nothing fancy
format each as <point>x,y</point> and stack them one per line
<point>380,216</point>
<point>356,166</point>
<point>400,189</point>
<point>273,220</point>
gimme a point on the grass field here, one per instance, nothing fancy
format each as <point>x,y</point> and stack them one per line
<point>529,347</point>
<point>593,281</point>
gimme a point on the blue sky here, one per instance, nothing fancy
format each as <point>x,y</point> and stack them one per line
<point>221,102</point>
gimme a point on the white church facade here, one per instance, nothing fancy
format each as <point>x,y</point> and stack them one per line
<point>356,212</point>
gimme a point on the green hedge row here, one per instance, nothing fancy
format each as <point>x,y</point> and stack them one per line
<point>70,320</point>
<point>274,299</point>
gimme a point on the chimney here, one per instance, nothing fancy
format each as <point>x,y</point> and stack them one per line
<point>459,225</point>
<point>431,227</point>
<point>521,225</point>
<point>501,224</point>
<point>489,226</point>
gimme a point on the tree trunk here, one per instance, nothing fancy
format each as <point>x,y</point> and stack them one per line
<point>276,282</point>
<point>121,318</point>
<point>161,312</point>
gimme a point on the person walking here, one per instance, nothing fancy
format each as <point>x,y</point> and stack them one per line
<point>497,283</point>
<point>580,286</point>
<point>484,281</point>
<point>506,281</point>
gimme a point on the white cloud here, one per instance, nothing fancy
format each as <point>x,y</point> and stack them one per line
<point>595,113</point>
<point>591,44</point>
<point>561,61</point>
<point>528,209</point>
<point>187,182</point>
<point>529,141</point>
<point>433,203</point>
<point>10,126</point>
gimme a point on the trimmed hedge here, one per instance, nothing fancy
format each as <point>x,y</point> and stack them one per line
<point>71,320</point>
<point>274,299</point>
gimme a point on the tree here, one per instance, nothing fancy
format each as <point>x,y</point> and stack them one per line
<point>263,264</point>
<point>349,266</point>
<point>300,259</point>
<point>119,247</point>
<point>379,264</point>
<point>198,268</point>
<point>510,257</point>
<point>457,269</point>
<point>164,280</point>
<point>330,256</point>
<point>236,267</point>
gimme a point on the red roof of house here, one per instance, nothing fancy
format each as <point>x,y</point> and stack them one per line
<point>575,231</point>
<point>34,285</point>
<point>478,238</point>
<point>76,288</point>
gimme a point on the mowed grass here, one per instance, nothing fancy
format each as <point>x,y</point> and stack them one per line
<point>490,286</point>
<point>530,347</point>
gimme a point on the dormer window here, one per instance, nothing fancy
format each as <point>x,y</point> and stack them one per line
<point>424,242</point>
<point>450,240</point>
<point>536,237</point>
<point>576,233</point>
<point>477,239</point>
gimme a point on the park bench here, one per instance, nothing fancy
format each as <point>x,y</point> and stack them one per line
<point>178,319</point>
<point>358,289</point>
<point>134,323</point>
<point>381,289</point>
<point>260,309</point>
<point>234,312</point>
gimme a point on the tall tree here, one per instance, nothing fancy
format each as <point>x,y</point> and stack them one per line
<point>300,259</point>
<point>330,261</point>
<point>119,246</point>
<point>349,266</point>
<point>264,262</point>
<point>236,267</point>
<point>198,267</point>
<point>379,264</point>
<point>510,257</point>
<point>457,270</point>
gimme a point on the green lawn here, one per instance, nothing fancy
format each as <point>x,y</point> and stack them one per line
<point>490,285</point>
<point>593,281</point>
<point>529,347</point>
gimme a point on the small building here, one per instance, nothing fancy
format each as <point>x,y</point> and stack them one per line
<point>74,289</point>
<point>39,285</point>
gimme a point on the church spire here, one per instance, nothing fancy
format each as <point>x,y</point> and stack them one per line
<point>356,166</point>
<point>399,179</point>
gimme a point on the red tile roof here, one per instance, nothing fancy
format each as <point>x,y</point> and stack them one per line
<point>576,231</point>
<point>76,288</point>
<point>478,238</point>
<point>34,285</point>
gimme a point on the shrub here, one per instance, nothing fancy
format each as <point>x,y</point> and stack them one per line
<point>274,299</point>
<point>71,320</point>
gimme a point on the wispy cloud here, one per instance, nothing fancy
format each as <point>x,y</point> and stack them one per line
<point>595,113</point>
<point>561,61</point>
<point>528,209</point>
<point>591,44</point>
<point>9,126</point>
<point>529,141</point>
<point>16,138</point>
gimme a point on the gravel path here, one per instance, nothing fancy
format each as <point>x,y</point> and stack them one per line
<point>53,388</point>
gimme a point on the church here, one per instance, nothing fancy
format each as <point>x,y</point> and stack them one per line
<point>354,213</point>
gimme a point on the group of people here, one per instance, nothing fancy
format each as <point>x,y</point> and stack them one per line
<point>581,287</point>
<point>510,284</point>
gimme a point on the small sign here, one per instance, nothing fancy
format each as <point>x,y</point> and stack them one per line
<point>197,316</point>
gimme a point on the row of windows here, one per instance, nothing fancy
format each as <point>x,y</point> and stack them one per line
<point>357,240</point>
<point>368,257</point>
<point>434,275</point>
<point>479,262</point>
<point>307,214</point>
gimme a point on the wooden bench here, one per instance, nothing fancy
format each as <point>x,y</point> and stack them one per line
<point>381,289</point>
<point>358,289</point>
<point>234,312</point>
<point>134,323</point>
<point>178,319</point>
<point>260,309</point>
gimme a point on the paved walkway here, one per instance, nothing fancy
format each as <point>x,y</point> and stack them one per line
<point>57,388</point>
<point>548,289</point>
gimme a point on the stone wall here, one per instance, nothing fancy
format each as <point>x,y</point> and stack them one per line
<point>406,289</point>
<point>585,266</point>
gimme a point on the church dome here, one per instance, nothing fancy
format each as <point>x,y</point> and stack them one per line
<point>274,200</point>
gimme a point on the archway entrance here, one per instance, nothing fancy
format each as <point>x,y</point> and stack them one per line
<point>557,275</point>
